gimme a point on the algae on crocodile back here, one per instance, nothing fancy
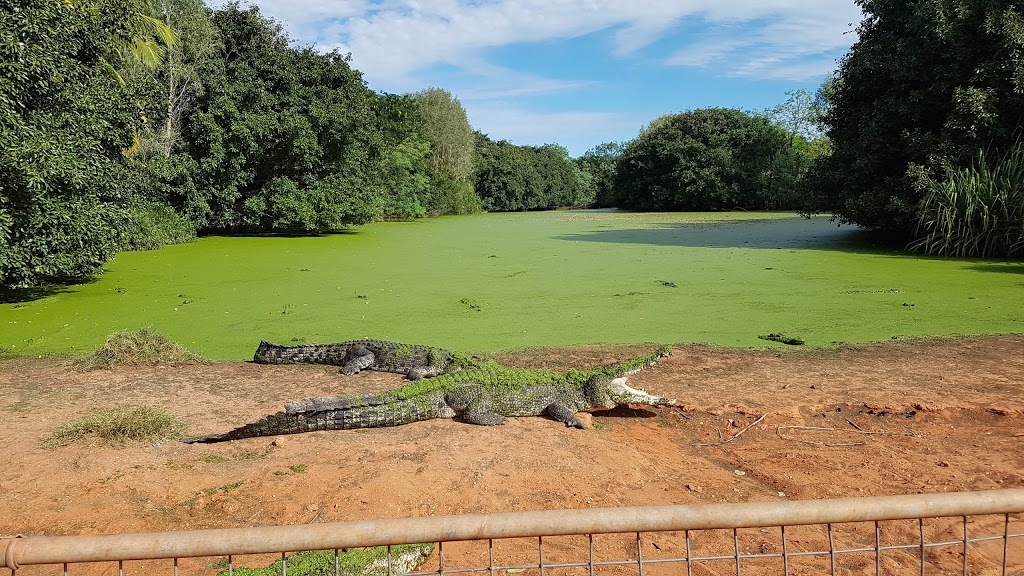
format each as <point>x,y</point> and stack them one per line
<point>356,562</point>
<point>490,372</point>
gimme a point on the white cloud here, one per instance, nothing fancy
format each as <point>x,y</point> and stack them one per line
<point>392,39</point>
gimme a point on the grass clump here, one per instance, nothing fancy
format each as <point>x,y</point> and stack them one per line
<point>979,211</point>
<point>360,561</point>
<point>132,348</point>
<point>119,426</point>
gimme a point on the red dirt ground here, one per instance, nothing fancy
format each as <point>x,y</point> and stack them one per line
<point>945,415</point>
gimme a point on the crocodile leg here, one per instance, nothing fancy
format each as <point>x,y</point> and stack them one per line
<point>564,414</point>
<point>359,358</point>
<point>473,406</point>
<point>421,372</point>
<point>482,416</point>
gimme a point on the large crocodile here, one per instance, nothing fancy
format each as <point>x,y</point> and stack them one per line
<point>483,396</point>
<point>413,360</point>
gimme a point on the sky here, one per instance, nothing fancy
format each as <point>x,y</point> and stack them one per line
<point>581,72</point>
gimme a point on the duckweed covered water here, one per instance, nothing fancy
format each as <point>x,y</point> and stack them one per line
<point>492,282</point>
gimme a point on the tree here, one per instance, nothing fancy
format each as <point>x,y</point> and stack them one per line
<point>446,127</point>
<point>198,44</point>
<point>799,115</point>
<point>708,159</point>
<point>283,138</point>
<point>511,178</point>
<point>927,85</point>
<point>599,163</point>
<point>63,123</point>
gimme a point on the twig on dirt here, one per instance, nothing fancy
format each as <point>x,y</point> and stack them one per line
<point>317,515</point>
<point>854,425</point>
<point>733,437</point>
<point>778,431</point>
<point>1018,435</point>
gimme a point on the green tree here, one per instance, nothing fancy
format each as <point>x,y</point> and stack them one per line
<point>511,178</point>
<point>708,159</point>
<point>599,163</point>
<point>446,127</point>
<point>927,85</point>
<point>800,115</point>
<point>64,121</point>
<point>198,44</point>
<point>282,138</point>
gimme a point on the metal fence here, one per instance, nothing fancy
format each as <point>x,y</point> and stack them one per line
<point>950,533</point>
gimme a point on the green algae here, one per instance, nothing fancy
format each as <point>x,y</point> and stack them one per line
<point>537,279</point>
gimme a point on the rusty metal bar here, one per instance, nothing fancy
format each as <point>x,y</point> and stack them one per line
<point>221,542</point>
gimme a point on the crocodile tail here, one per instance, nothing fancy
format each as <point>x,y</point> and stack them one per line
<point>321,414</point>
<point>270,353</point>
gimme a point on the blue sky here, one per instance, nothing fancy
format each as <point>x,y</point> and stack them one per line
<point>581,72</point>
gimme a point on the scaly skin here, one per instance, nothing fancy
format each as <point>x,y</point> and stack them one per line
<point>413,360</point>
<point>483,396</point>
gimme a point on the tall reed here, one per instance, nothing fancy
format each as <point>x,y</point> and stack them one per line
<point>979,211</point>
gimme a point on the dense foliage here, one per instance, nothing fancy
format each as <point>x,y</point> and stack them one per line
<point>978,211</point>
<point>709,159</point>
<point>452,146</point>
<point>130,124</point>
<point>928,84</point>
<point>511,178</point>
<point>64,121</point>
<point>599,167</point>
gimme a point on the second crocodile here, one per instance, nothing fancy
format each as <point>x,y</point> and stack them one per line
<point>483,396</point>
<point>413,360</point>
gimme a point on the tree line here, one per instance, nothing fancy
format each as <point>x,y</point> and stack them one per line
<point>130,124</point>
<point>916,135</point>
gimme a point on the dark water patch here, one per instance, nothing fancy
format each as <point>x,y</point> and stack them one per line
<point>793,233</point>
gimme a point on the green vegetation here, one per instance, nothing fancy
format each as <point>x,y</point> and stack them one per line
<point>511,178</point>
<point>142,346</point>
<point>710,159</point>
<point>925,87</point>
<point>979,210</point>
<point>358,562</point>
<point>119,426</point>
<point>593,277</point>
<point>134,124</point>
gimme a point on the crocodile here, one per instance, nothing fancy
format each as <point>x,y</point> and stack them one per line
<point>485,396</point>
<point>413,360</point>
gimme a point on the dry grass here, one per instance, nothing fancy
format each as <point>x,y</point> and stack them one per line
<point>130,348</point>
<point>119,425</point>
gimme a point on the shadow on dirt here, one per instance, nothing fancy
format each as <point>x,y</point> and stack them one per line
<point>626,412</point>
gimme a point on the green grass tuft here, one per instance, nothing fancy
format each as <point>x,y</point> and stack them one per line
<point>119,426</point>
<point>142,346</point>
<point>357,562</point>
<point>979,211</point>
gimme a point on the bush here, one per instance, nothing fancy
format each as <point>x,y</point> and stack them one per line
<point>152,225</point>
<point>926,85</point>
<point>978,211</point>
<point>704,160</point>
<point>142,346</point>
<point>119,426</point>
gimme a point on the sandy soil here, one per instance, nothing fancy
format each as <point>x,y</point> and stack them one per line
<point>945,415</point>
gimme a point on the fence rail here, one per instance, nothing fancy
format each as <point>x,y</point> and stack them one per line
<point>685,519</point>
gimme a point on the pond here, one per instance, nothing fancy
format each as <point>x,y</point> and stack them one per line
<point>492,282</point>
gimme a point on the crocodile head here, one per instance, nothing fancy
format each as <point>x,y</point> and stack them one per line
<point>606,392</point>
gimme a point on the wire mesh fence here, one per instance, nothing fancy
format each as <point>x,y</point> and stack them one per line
<point>883,535</point>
